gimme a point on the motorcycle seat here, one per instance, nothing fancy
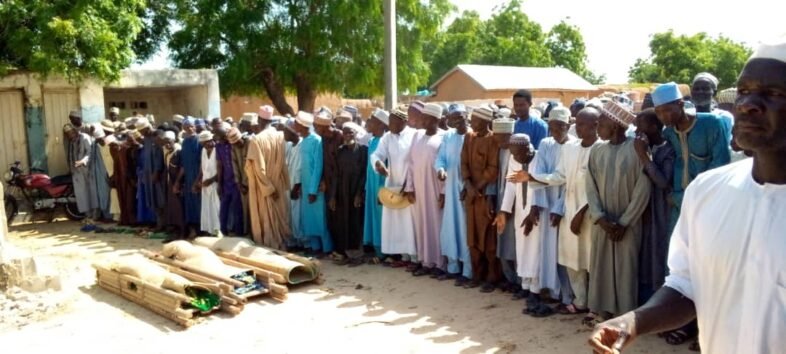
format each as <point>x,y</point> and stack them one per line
<point>61,180</point>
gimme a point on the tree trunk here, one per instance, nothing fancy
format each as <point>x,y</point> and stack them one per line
<point>306,95</point>
<point>276,92</point>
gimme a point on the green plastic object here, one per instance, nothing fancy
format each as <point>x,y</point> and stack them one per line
<point>203,299</point>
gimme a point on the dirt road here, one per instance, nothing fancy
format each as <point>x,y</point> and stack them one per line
<point>369,309</point>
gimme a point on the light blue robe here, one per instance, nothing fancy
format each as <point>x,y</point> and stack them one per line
<point>313,214</point>
<point>705,146</point>
<point>551,200</point>
<point>372,227</point>
<point>453,233</point>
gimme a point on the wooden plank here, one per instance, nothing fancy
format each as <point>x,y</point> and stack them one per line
<point>162,259</point>
<point>278,278</point>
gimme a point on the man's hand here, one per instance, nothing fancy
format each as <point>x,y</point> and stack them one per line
<point>243,189</point>
<point>518,176</point>
<point>555,219</point>
<point>470,192</point>
<point>463,195</point>
<point>176,189</point>
<point>312,198</point>
<point>442,175</point>
<point>441,201</point>
<point>358,202</point>
<point>575,223</point>
<point>605,225</point>
<point>322,187</point>
<point>642,146</point>
<point>381,169</point>
<point>79,164</point>
<point>332,204</point>
<point>614,335</point>
<point>196,187</point>
<point>499,221</point>
<point>295,193</point>
<point>274,195</point>
<point>618,232</point>
<point>410,197</point>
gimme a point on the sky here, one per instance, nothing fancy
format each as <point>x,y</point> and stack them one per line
<point>617,32</point>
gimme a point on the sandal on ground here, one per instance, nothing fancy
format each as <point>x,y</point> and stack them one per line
<point>487,288</point>
<point>355,262</point>
<point>411,267</point>
<point>592,320</point>
<point>421,272</point>
<point>520,294</point>
<point>471,284</point>
<point>461,281</point>
<point>436,273</point>
<point>374,260</point>
<point>571,309</point>
<point>678,337</point>
<point>398,264</point>
<point>341,262</point>
<point>446,276</point>
<point>542,310</point>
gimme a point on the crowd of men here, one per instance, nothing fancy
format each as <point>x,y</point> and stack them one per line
<point>570,208</point>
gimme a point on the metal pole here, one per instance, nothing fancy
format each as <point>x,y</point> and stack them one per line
<point>391,85</point>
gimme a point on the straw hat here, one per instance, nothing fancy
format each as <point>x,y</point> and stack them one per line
<point>392,198</point>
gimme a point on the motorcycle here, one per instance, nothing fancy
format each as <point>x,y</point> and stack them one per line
<point>41,192</point>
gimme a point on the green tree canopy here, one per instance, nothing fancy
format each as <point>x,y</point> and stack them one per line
<point>305,46</point>
<point>679,58</point>
<point>73,38</point>
<point>509,37</point>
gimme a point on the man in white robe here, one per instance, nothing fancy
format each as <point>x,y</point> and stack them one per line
<point>390,160</point>
<point>727,257</point>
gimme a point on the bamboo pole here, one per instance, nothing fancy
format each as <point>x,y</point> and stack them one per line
<point>280,271</point>
<point>278,278</point>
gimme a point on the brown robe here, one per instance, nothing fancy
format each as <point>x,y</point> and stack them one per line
<point>267,174</point>
<point>239,155</point>
<point>480,167</point>
<point>124,179</point>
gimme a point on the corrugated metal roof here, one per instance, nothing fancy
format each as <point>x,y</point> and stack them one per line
<point>491,77</point>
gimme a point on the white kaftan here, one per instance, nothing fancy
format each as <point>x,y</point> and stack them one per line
<point>210,203</point>
<point>728,254</point>
<point>527,247</point>
<point>398,227</point>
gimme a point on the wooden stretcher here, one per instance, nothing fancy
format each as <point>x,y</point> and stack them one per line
<point>234,302</point>
<point>167,303</point>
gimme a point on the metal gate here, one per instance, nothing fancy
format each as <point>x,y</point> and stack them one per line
<point>13,132</point>
<point>57,104</point>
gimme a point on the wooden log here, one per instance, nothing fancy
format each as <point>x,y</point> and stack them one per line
<point>234,310</point>
<point>162,259</point>
<point>278,278</point>
<point>176,317</point>
<point>280,272</point>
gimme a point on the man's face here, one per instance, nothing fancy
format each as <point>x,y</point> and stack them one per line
<point>607,127</point>
<point>348,135</point>
<point>210,144</point>
<point>397,124</point>
<point>458,121</point>
<point>199,129</point>
<point>479,125</point>
<point>760,109</point>
<point>429,122</point>
<point>522,153</point>
<point>558,129</point>
<point>701,92</point>
<point>244,126</point>
<point>414,120</point>
<point>113,116</point>
<point>322,130</point>
<point>290,136</point>
<point>189,129</point>
<point>521,107</point>
<point>586,125</point>
<point>670,113</point>
<point>75,121</point>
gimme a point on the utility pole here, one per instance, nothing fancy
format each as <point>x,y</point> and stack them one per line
<point>391,84</point>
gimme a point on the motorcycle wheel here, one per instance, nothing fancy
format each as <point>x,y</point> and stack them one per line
<point>11,209</point>
<point>72,212</point>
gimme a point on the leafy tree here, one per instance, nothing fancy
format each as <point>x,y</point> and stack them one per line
<point>509,37</point>
<point>305,46</point>
<point>679,58</point>
<point>567,49</point>
<point>73,38</point>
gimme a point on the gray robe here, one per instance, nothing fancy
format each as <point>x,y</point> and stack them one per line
<point>98,182</point>
<point>79,150</point>
<point>618,190</point>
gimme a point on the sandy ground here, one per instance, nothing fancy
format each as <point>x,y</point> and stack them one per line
<point>369,309</point>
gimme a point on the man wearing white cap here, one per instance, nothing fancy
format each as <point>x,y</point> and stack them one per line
<point>331,141</point>
<point>574,229</point>
<point>453,234</point>
<point>208,185</point>
<point>702,92</point>
<point>479,169</point>
<point>545,215</point>
<point>618,192</point>
<point>268,178</point>
<point>727,254</point>
<point>372,226</point>
<point>294,167</point>
<point>506,238</point>
<point>114,112</point>
<point>311,198</point>
<point>700,141</point>
<point>77,159</point>
<point>390,160</point>
<point>247,122</point>
<point>424,188</point>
